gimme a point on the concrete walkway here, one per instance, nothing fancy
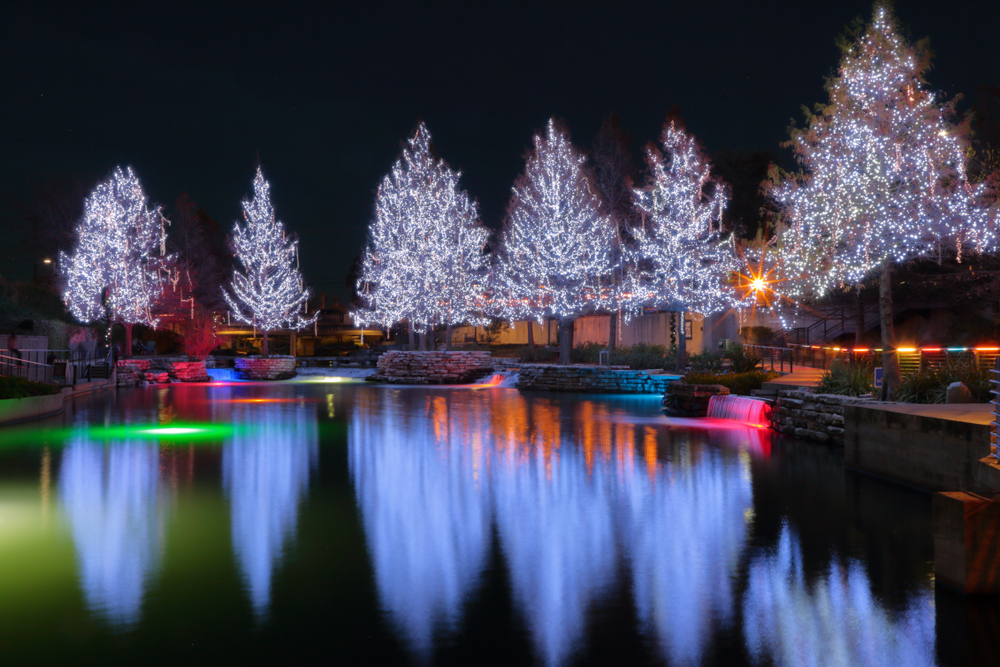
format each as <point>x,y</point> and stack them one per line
<point>801,378</point>
<point>970,413</point>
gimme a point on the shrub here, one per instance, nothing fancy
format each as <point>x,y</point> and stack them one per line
<point>930,385</point>
<point>847,380</point>
<point>969,373</point>
<point>756,335</point>
<point>639,356</point>
<point>589,353</point>
<point>15,387</point>
<point>541,355</point>
<point>707,361</point>
<point>744,359</point>
<point>738,383</point>
<point>924,386</point>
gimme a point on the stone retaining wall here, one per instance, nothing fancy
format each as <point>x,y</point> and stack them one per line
<point>818,417</point>
<point>590,379</point>
<point>132,372</point>
<point>397,367</point>
<point>189,371</point>
<point>691,400</point>
<point>266,368</point>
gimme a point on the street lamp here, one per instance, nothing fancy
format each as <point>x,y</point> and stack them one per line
<point>35,269</point>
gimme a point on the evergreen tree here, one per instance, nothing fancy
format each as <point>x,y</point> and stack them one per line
<point>424,260</point>
<point>681,262</point>
<point>268,293</point>
<point>884,179</point>
<point>556,256</point>
<point>118,266</point>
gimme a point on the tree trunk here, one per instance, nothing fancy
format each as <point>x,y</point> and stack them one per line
<point>531,335</point>
<point>447,339</point>
<point>565,341</point>
<point>859,314</point>
<point>613,331</point>
<point>263,349</point>
<point>423,341</point>
<point>890,361</point>
<point>413,340</point>
<point>681,343</point>
<point>128,340</point>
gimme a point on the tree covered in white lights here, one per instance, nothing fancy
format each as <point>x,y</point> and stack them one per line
<point>118,266</point>
<point>681,264</point>
<point>884,179</point>
<point>424,261</point>
<point>268,293</point>
<point>556,256</point>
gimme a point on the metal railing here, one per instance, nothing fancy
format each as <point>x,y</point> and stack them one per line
<point>66,367</point>
<point>777,358</point>
<point>911,359</point>
<point>24,364</point>
<point>995,407</point>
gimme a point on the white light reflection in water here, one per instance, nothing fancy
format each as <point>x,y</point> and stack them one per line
<point>265,473</point>
<point>555,525</point>
<point>835,621</point>
<point>684,527</point>
<point>577,491</point>
<point>425,513</point>
<point>110,496</point>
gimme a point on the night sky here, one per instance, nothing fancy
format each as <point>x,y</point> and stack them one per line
<point>192,96</point>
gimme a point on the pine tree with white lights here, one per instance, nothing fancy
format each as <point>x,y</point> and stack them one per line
<point>424,260</point>
<point>884,179</point>
<point>556,254</point>
<point>268,294</point>
<point>681,262</point>
<point>118,266</point>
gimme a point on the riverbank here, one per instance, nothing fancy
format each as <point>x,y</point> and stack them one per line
<point>14,410</point>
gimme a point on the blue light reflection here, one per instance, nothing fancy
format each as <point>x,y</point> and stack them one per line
<point>110,496</point>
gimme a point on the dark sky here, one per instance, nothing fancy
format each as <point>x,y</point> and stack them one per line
<point>192,95</point>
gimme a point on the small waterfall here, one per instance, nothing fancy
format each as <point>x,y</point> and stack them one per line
<point>223,374</point>
<point>740,408</point>
<point>501,379</point>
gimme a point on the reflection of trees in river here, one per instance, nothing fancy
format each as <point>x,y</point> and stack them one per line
<point>265,472</point>
<point>109,495</point>
<point>684,528</point>
<point>836,621</point>
<point>430,477</point>
<point>555,525</point>
<point>575,489</point>
<point>426,519</point>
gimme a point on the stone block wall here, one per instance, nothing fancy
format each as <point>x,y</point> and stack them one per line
<point>189,371</point>
<point>132,372</point>
<point>589,379</point>
<point>818,417</point>
<point>691,400</point>
<point>397,367</point>
<point>266,368</point>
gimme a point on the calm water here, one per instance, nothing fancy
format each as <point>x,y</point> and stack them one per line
<point>350,524</point>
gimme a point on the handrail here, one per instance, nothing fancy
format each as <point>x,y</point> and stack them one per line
<point>24,361</point>
<point>995,400</point>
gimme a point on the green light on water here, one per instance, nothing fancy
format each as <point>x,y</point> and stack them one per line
<point>180,431</point>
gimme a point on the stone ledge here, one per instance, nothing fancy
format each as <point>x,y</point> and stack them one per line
<point>266,368</point>
<point>399,367</point>
<point>817,417</point>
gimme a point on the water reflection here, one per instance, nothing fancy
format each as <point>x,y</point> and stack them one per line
<point>684,527</point>
<point>110,497</point>
<point>835,621</point>
<point>426,519</point>
<point>571,499</point>
<point>265,473</point>
<point>555,525</point>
